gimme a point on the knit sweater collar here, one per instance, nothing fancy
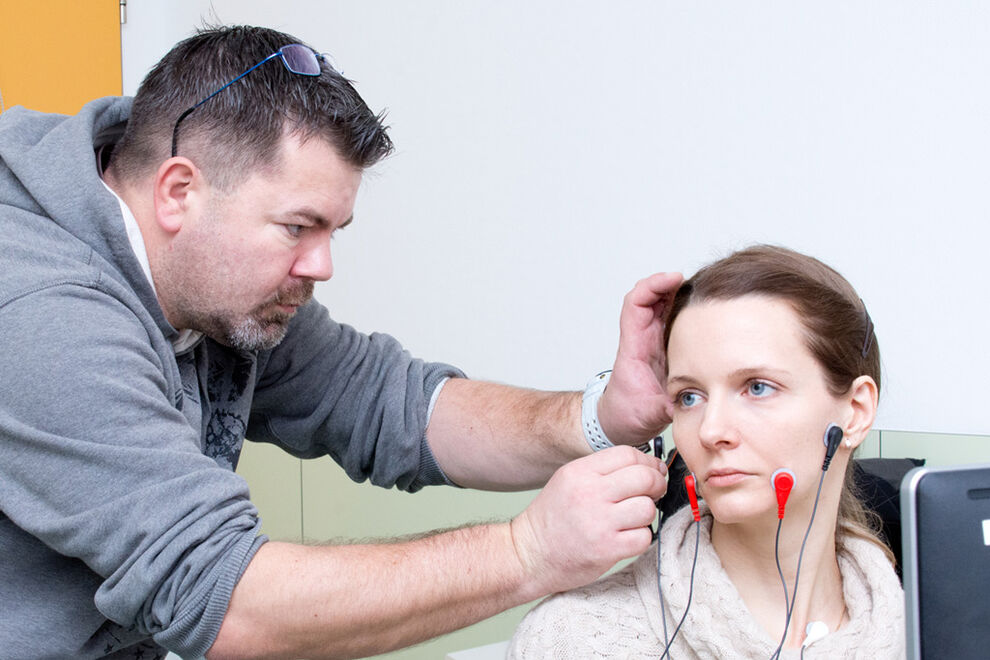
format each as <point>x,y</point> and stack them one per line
<point>719,625</point>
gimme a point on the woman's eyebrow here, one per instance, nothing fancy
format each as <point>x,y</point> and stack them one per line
<point>743,372</point>
<point>759,370</point>
<point>679,379</point>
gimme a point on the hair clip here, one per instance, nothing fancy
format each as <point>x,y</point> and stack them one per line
<point>868,322</point>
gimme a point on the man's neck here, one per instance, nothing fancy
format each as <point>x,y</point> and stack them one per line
<point>137,235</point>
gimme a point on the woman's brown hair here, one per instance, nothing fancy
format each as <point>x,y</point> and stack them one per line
<point>837,328</point>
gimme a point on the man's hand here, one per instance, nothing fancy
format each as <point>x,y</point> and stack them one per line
<point>635,406</point>
<point>594,512</point>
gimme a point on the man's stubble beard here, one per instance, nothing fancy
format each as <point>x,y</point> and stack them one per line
<point>264,327</point>
<point>261,328</point>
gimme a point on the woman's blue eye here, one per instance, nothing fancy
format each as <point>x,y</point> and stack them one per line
<point>687,399</point>
<point>758,388</point>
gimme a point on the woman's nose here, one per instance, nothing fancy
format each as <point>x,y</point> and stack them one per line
<point>717,429</point>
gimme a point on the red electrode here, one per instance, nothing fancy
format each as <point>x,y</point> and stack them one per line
<point>692,496</point>
<point>783,482</point>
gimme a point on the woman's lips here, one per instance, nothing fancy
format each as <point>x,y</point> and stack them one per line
<point>723,478</point>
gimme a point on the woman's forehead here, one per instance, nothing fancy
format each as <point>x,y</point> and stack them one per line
<point>737,333</point>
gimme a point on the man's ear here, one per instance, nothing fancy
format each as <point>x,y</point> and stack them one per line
<point>862,399</point>
<point>179,189</point>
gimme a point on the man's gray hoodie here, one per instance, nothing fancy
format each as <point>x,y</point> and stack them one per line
<point>123,528</point>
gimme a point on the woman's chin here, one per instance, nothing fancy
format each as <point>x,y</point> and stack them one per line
<point>732,511</point>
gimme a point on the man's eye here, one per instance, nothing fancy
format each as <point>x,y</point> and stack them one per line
<point>294,230</point>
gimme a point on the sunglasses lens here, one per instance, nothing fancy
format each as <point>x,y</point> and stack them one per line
<point>300,59</point>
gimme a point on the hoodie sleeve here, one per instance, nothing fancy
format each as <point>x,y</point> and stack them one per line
<point>362,399</point>
<point>98,464</point>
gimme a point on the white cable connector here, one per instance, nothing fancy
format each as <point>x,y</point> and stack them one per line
<point>814,631</point>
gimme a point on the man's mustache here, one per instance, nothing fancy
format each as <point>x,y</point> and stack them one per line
<point>295,295</point>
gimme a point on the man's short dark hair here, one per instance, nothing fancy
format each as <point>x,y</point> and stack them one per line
<point>240,129</point>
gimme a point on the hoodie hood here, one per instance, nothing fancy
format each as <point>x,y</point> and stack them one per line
<point>49,171</point>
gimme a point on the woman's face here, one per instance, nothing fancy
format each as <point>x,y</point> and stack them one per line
<point>748,398</point>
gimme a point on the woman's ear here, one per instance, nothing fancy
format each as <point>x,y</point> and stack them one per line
<point>179,185</point>
<point>862,400</point>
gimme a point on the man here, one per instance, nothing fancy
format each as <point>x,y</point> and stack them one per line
<point>155,318</point>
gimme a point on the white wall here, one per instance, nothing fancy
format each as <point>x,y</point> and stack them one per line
<point>551,153</point>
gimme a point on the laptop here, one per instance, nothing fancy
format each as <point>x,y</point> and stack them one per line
<point>945,516</point>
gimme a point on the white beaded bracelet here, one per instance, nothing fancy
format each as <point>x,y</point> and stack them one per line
<point>593,432</point>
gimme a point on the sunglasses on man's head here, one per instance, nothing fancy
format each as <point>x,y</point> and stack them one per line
<point>297,58</point>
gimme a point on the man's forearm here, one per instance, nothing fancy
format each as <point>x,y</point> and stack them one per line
<point>498,437</point>
<point>353,601</point>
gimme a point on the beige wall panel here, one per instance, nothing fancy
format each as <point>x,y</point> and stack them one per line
<point>276,489</point>
<point>935,448</point>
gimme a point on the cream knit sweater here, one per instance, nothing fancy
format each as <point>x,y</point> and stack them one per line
<point>619,615</point>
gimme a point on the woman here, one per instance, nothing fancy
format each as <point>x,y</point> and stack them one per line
<point>766,350</point>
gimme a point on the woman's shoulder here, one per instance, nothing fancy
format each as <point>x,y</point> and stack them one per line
<point>606,596</point>
<point>864,563</point>
<point>874,601</point>
<point>585,622</point>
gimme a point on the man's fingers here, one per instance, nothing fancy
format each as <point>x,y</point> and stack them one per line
<point>635,481</point>
<point>592,513</point>
<point>633,512</point>
<point>651,290</point>
<point>612,459</point>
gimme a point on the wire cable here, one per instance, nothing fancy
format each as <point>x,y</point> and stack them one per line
<point>694,563</point>
<point>658,452</point>
<point>776,556</point>
<point>797,573</point>
<point>663,609</point>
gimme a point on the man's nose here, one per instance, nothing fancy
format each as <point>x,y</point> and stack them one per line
<point>315,263</point>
